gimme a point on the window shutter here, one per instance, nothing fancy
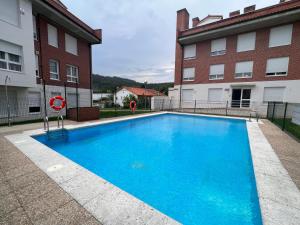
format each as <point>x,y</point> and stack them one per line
<point>246,42</point>
<point>188,73</point>
<point>244,67</point>
<point>10,48</point>
<point>187,94</point>
<point>52,36</point>
<point>189,51</point>
<point>218,45</point>
<point>215,94</point>
<point>272,94</point>
<point>281,35</point>
<point>34,99</point>
<point>71,44</point>
<point>9,11</point>
<point>216,69</point>
<point>276,65</point>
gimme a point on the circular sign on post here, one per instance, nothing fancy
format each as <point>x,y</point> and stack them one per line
<point>57,103</point>
<point>132,106</point>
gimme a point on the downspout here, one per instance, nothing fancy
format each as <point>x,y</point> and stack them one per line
<point>181,74</point>
<point>91,75</point>
<point>40,62</point>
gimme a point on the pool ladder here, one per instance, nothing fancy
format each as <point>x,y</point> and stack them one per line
<point>46,122</point>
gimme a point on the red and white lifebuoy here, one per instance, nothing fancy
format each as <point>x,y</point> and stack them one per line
<point>57,106</point>
<point>132,106</point>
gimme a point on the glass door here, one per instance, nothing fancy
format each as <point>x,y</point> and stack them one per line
<point>241,98</point>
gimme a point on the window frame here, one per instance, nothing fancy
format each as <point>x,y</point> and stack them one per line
<point>48,35</point>
<point>250,74</point>
<point>216,75</point>
<point>72,75</point>
<point>192,57</point>
<point>9,62</point>
<point>273,28</point>
<point>218,52</point>
<point>189,78</point>
<point>277,74</point>
<point>56,73</point>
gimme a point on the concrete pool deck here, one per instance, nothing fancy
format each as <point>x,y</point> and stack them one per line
<point>36,185</point>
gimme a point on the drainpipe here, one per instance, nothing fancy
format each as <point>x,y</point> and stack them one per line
<point>181,74</point>
<point>7,79</point>
<point>91,79</point>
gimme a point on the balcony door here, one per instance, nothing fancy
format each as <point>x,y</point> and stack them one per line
<point>241,98</point>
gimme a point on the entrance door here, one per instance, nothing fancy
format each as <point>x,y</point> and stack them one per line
<point>241,98</point>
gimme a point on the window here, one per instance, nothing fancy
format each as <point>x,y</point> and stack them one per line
<point>71,44</point>
<point>187,94</point>
<point>52,36</point>
<point>274,94</point>
<point>10,57</point>
<point>71,100</point>
<point>218,47</point>
<point>54,69</point>
<point>277,66</point>
<point>216,72</point>
<point>37,70</point>
<point>53,94</point>
<point>246,42</point>
<point>215,94</point>
<point>34,102</point>
<point>281,36</point>
<point>244,69</point>
<point>72,73</point>
<point>189,74</point>
<point>9,11</point>
<point>35,36</point>
<point>189,51</point>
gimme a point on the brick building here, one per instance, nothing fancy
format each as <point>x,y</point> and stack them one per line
<point>246,59</point>
<point>41,42</point>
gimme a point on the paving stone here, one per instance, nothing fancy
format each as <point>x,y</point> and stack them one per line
<point>28,179</point>
<point>19,171</point>
<point>16,217</point>
<point>13,160</point>
<point>5,189</point>
<point>8,203</point>
<point>32,192</point>
<point>46,204</point>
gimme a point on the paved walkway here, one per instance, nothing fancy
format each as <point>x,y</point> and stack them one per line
<point>286,148</point>
<point>29,196</point>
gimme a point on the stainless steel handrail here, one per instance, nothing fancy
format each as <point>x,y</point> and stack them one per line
<point>46,123</point>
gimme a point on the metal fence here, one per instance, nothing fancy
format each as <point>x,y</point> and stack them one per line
<point>286,116</point>
<point>17,105</point>
<point>227,108</point>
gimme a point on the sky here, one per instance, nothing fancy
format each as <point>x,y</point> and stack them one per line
<point>139,35</point>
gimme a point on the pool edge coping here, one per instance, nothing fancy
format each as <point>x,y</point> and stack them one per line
<point>271,209</point>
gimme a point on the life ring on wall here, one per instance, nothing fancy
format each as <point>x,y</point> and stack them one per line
<point>54,105</point>
<point>132,106</point>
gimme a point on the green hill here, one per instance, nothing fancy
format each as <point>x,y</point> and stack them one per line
<point>106,84</point>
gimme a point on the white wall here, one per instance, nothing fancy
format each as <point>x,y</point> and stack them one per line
<point>200,91</point>
<point>21,35</point>
<point>121,94</point>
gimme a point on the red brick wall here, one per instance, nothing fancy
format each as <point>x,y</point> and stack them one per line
<point>47,52</point>
<point>259,56</point>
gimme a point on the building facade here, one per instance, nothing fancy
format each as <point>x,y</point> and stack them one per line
<point>44,51</point>
<point>246,60</point>
<point>138,93</point>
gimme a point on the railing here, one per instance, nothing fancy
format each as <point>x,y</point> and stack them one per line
<point>245,107</point>
<point>286,115</point>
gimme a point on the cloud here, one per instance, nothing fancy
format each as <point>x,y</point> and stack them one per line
<point>139,35</point>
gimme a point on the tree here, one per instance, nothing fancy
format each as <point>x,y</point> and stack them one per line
<point>127,100</point>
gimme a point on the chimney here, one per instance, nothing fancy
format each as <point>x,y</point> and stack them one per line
<point>183,18</point>
<point>234,13</point>
<point>282,1</point>
<point>196,21</point>
<point>249,9</point>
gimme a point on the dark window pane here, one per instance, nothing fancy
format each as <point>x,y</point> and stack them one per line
<point>34,109</point>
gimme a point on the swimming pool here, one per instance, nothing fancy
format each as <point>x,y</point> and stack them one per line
<point>197,170</point>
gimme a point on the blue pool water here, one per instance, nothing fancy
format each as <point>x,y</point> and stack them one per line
<point>197,170</point>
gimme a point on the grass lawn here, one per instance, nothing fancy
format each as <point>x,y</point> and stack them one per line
<point>290,127</point>
<point>113,113</point>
